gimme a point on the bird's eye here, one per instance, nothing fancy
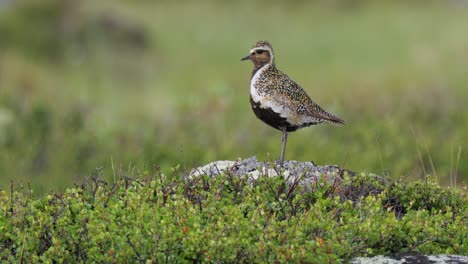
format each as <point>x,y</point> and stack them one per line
<point>259,51</point>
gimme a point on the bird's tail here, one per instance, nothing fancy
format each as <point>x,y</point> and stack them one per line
<point>327,117</point>
<point>334,120</point>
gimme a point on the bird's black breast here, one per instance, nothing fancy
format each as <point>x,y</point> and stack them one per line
<point>272,118</point>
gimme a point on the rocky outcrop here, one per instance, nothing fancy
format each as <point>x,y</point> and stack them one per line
<point>306,174</point>
<point>412,259</point>
<point>253,169</point>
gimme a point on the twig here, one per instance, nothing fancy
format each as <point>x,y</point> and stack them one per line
<point>430,239</point>
<point>134,249</point>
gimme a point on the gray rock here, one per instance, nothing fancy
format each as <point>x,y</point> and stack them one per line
<point>308,172</point>
<point>412,259</point>
<point>305,174</point>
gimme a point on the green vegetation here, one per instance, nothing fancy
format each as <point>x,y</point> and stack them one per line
<point>85,84</point>
<point>160,218</point>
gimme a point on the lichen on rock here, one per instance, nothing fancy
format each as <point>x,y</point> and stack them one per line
<point>305,174</point>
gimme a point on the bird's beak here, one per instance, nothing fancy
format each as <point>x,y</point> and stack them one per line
<point>246,58</point>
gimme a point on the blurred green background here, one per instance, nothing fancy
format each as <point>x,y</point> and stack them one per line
<point>127,85</point>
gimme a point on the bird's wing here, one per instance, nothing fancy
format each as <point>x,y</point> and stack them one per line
<point>303,104</point>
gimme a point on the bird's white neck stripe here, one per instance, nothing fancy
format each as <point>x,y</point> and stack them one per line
<point>253,91</point>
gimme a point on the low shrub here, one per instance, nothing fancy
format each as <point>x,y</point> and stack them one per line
<point>170,218</point>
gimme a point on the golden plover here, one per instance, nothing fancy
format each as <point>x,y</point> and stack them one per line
<point>279,101</point>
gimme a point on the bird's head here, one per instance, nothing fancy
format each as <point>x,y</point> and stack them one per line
<point>260,54</point>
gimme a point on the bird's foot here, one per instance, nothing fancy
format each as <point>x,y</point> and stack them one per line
<point>279,163</point>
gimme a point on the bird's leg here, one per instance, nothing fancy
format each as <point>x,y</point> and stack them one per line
<point>283,147</point>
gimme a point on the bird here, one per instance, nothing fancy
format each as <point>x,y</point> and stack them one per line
<point>279,101</point>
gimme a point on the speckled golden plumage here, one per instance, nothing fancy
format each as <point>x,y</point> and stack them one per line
<point>279,101</point>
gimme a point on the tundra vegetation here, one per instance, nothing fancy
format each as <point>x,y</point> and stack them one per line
<point>155,218</point>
